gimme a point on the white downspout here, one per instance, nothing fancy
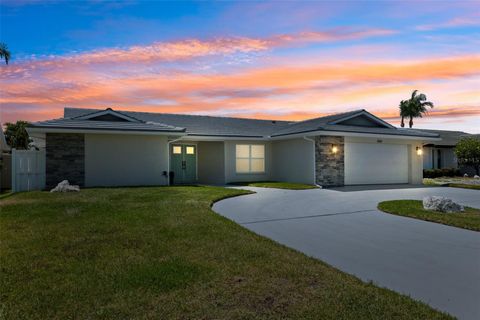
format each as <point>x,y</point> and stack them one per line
<point>314,164</point>
<point>168,158</point>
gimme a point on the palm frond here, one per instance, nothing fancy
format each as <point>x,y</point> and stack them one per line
<point>414,94</point>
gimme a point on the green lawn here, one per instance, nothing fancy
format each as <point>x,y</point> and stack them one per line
<point>470,219</point>
<point>277,185</point>
<point>465,186</point>
<point>5,193</point>
<point>161,253</point>
<point>454,182</point>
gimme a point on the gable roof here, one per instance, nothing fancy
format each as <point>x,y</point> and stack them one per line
<point>335,123</point>
<point>368,120</point>
<point>107,119</point>
<point>199,125</point>
<point>98,115</point>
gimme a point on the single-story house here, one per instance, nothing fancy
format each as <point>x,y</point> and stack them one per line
<point>118,148</point>
<point>441,154</point>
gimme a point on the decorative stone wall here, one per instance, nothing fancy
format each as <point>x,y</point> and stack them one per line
<point>65,158</point>
<point>329,166</point>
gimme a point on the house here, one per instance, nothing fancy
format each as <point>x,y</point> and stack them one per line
<point>4,147</point>
<point>117,148</point>
<point>441,154</point>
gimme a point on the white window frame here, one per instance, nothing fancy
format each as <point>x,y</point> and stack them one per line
<point>249,158</point>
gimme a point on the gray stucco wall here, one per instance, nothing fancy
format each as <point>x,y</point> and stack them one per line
<point>125,160</point>
<point>65,158</point>
<point>293,161</point>
<point>329,166</point>
<point>211,162</point>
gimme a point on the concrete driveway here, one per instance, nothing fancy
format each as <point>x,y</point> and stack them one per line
<point>437,264</point>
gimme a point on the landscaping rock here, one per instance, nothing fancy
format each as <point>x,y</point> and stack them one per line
<point>476,177</point>
<point>441,204</point>
<point>65,186</point>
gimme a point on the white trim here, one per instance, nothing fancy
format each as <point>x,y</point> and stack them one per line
<point>96,131</point>
<point>105,112</point>
<point>353,134</point>
<point>365,113</point>
<point>225,138</point>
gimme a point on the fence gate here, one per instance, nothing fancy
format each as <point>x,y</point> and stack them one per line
<point>28,170</point>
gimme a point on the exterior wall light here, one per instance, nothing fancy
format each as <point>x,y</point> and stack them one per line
<point>334,149</point>
<point>419,151</point>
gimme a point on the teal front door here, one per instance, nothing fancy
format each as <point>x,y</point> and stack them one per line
<point>183,163</point>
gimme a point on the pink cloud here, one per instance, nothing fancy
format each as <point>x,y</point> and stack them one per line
<point>183,50</point>
<point>40,89</point>
<point>452,23</point>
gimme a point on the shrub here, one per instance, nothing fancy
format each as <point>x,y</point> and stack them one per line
<point>468,152</point>
<point>436,173</point>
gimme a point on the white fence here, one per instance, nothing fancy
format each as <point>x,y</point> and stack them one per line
<point>28,170</point>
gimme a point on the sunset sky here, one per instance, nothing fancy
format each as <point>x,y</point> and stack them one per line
<point>272,60</point>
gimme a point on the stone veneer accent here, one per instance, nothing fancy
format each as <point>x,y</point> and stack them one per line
<point>65,158</point>
<point>329,166</point>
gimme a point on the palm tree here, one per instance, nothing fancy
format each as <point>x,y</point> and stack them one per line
<point>403,111</point>
<point>415,107</point>
<point>4,53</point>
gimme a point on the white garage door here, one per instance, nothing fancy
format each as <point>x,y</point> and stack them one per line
<point>376,163</point>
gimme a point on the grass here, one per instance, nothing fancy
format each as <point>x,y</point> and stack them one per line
<point>5,194</point>
<point>465,186</point>
<point>277,185</point>
<point>454,182</point>
<point>470,219</point>
<point>161,253</point>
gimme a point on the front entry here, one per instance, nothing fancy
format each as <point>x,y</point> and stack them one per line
<point>183,163</point>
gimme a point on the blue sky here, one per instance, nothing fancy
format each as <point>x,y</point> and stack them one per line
<point>284,60</point>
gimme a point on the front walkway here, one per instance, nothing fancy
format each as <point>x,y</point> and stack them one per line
<point>437,264</point>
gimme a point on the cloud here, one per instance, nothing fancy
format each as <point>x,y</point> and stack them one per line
<point>452,23</point>
<point>188,49</point>
<point>190,76</point>
<point>337,34</point>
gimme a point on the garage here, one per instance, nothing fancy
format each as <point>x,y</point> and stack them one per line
<point>375,163</point>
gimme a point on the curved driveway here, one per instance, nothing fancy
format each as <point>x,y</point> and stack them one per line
<point>437,264</point>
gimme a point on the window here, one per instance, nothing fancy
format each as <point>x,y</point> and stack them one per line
<point>190,150</point>
<point>177,149</point>
<point>250,158</point>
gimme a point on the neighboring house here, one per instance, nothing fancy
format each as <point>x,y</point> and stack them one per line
<point>441,154</point>
<point>112,148</point>
<point>4,147</point>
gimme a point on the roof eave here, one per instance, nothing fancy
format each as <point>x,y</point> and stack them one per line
<point>354,133</point>
<point>52,129</point>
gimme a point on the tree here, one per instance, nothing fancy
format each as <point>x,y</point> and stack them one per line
<point>17,135</point>
<point>403,111</point>
<point>415,107</point>
<point>468,152</point>
<point>4,52</point>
